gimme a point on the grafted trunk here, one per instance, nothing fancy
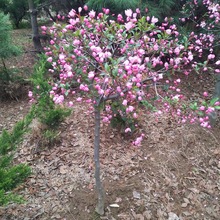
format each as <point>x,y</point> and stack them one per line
<point>34,25</point>
<point>99,187</point>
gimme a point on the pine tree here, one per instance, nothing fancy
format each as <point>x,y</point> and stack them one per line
<point>115,6</point>
<point>16,10</point>
<point>7,49</point>
<point>12,175</point>
<point>163,8</point>
<point>157,8</point>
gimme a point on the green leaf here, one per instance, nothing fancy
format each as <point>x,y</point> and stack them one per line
<point>115,72</point>
<point>193,106</point>
<point>213,101</point>
<point>159,36</point>
<point>77,33</point>
<point>217,107</point>
<point>200,113</point>
<point>107,67</point>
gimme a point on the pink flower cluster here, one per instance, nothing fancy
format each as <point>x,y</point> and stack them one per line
<point>102,60</point>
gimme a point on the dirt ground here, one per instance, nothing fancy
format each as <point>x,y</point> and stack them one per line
<point>174,174</point>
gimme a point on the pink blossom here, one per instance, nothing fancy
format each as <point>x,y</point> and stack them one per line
<point>130,109</point>
<point>205,94</point>
<point>76,42</point>
<point>105,119</point>
<point>138,140</point>
<point>168,31</point>
<point>127,130</point>
<point>30,94</point>
<point>154,20</point>
<point>69,74</point>
<point>217,62</point>
<point>190,56</point>
<point>128,12</point>
<point>204,124</point>
<point>85,7</point>
<point>72,13</point>
<point>43,28</point>
<point>79,99</point>
<point>92,14</point>
<point>91,75</point>
<point>129,25</point>
<point>52,93</point>
<point>198,42</point>
<point>155,47</point>
<point>210,109</point>
<point>160,76</point>
<point>119,17</point>
<point>101,91</point>
<point>176,97</point>
<point>166,65</point>
<point>58,99</point>
<point>202,108</point>
<point>135,115</point>
<point>79,9</point>
<point>138,11</point>
<point>129,85</point>
<point>211,56</point>
<point>73,22</point>
<point>135,59</point>
<point>61,57</point>
<point>84,87</point>
<point>70,104</point>
<point>107,11</point>
<point>118,89</point>
<point>125,102</point>
<point>49,59</point>
<point>52,42</point>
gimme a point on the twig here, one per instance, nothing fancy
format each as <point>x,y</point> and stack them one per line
<point>155,87</point>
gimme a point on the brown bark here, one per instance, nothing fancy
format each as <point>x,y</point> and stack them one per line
<point>34,25</point>
<point>99,187</point>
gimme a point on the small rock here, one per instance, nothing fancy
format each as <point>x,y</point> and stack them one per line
<point>114,205</point>
<point>186,200</point>
<point>184,205</point>
<point>173,216</point>
<point>136,195</point>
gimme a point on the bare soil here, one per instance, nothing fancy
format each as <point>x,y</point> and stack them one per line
<point>175,174</point>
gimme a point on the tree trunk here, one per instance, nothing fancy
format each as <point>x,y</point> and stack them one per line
<point>100,205</point>
<point>213,115</point>
<point>217,87</point>
<point>34,25</point>
<point>5,72</point>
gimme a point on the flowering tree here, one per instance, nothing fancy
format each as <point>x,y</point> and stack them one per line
<point>205,18</point>
<point>7,49</point>
<point>118,66</point>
